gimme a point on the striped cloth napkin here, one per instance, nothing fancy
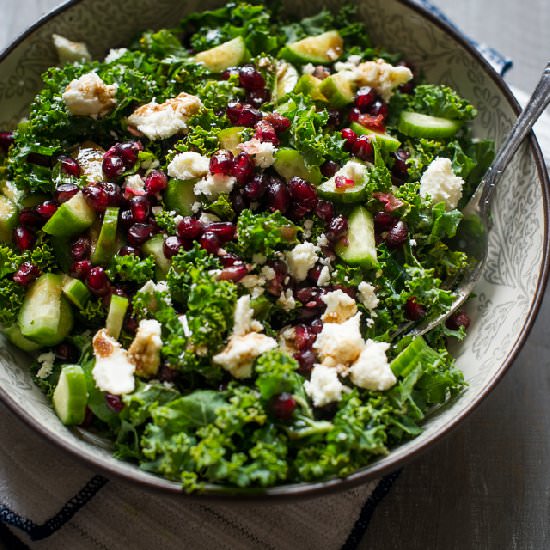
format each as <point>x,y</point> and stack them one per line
<point>48,500</point>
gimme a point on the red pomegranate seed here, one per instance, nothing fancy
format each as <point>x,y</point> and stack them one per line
<point>140,208</point>
<point>210,242</point>
<point>306,360</point>
<point>390,202</point>
<point>81,248</point>
<point>28,217</point>
<point>126,218</point>
<point>256,187</point>
<point>334,119</point>
<point>250,78</point>
<point>98,281</point>
<point>69,166</point>
<point>329,168</point>
<point>6,140</point>
<point>128,250</point>
<point>354,114</point>
<point>257,98</point>
<point>397,235</point>
<point>189,228</point>
<point>362,148</point>
<point>65,191</point>
<point>66,352</point>
<point>303,337</point>
<point>383,221</point>
<point>238,202</point>
<point>283,406</point>
<point>233,112</point>
<point>225,231</point>
<point>343,183</point>
<point>337,228</point>
<point>325,210</point>
<point>229,259</point>
<point>114,402</point>
<point>364,98</point>
<point>81,269</point>
<point>278,197</point>
<point>266,132</point>
<point>113,192</point>
<point>156,182</point>
<point>373,122</point>
<point>96,197</point>
<point>26,274</point>
<point>131,325</point>
<point>221,162</point>
<point>138,233</point>
<point>350,138</point>
<point>167,374</point>
<point>413,310</point>
<point>378,108</point>
<point>279,122</point>
<point>316,326</point>
<point>113,167</point>
<point>172,246</point>
<point>128,152</point>
<point>233,273</point>
<point>303,193</point>
<point>229,72</point>
<point>39,160</point>
<point>313,273</point>
<point>457,320</point>
<point>46,209</point>
<point>243,167</point>
<point>400,170</point>
<point>23,238</point>
<point>310,296</point>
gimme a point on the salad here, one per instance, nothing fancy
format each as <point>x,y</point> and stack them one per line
<point>211,240</point>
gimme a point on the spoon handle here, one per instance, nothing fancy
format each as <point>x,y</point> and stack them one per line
<point>527,118</point>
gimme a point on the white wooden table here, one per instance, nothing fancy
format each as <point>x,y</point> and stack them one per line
<point>488,484</point>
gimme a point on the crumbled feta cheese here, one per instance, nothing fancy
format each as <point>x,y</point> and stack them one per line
<point>339,344</point>
<point>46,360</point>
<point>308,68</point>
<point>259,258</point>
<point>89,96</point>
<point>286,300</point>
<point>69,51</point>
<point>185,324</point>
<point>340,307</point>
<point>113,371</point>
<point>367,296</point>
<point>324,387</point>
<point>324,276</point>
<point>114,54</point>
<point>308,225</point>
<point>349,65</point>
<point>412,242</point>
<point>268,273</point>
<point>301,259</point>
<point>382,76</point>
<point>155,210</point>
<point>215,184</point>
<point>196,206</point>
<point>144,351</point>
<point>322,241</point>
<point>262,151</point>
<point>372,370</point>
<point>161,287</point>
<point>188,165</point>
<point>440,183</point>
<point>135,185</point>
<point>243,318</point>
<point>163,120</point>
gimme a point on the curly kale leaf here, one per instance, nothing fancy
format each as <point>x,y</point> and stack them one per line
<point>132,268</point>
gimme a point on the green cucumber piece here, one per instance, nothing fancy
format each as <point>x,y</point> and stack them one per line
<point>386,142</point>
<point>9,214</point>
<point>71,218</point>
<point>45,317</point>
<point>230,138</point>
<point>13,334</point>
<point>117,310</point>
<point>228,54</point>
<point>321,49</point>
<point>310,85</point>
<point>62,252</point>
<point>106,245</point>
<point>70,396</point>
<point>339,89</point>
<point>357,193</point>
<point>155,247</point>
<point>361,246</point>
<point>290,163</point>
<point>426,126</point>
<point>286,77</point>
<point>180,195</point>
<point>76,291</point>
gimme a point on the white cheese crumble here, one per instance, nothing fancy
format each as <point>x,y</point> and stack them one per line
<point>308,68</point>
<point>163,120</point>
<point>268,273</point>
<point>381,76</point>
<point>89,96</point>
<point>115,54</point>
<point>324,276</point>
<point>440,183</point>
<point>243,318</point>
<point>46,361</point>
<point>113,371</point>
<point>340,307</point>
<point>144,351</point>
<point>322,241</point>
<point>301,259</point>
<point>372,370</point>
<point>262,151</point>
<point>188,165</point>
<point>324,387</point>
<point>286,300</point>
<point>214,185</point>
<point>367,295</point>
<point>69,51</point>
<point>135,185</point>
<point>308,226</point>
<point>259,258</point>
<point>349,65</point>
<point>185,324</point>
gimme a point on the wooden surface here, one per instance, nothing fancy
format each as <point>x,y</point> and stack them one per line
<point>488,484</point>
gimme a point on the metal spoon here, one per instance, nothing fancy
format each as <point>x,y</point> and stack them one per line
<point>472,234</point>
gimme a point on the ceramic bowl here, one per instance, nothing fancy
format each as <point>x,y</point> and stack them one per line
<point>507,298</point>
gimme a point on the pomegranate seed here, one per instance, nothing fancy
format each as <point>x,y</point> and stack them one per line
<point>373,122</point>
<point>457,320</point>
<point>221,162</point>
<point>210,242</point>
<point>131,325</point>
<point>26,274</point>
<point>96,197</point>
<point>128,250</point>
<point>65,191</point>
<point>310,296</point>
<point>334,119</point>
<point>303,193</point>
<point>303,337</point>
<point>81,269</point>
<point>6,140</point>
<point>172,246</point>
<point>316,326</point>
<point>408,88</point>
<point>128,152</point>
<point>28,217</point>
<point>155,182</point>
<point>46,209</point>
<point>23,238</point>
<point>114,402</point>
<point>98,281</point>
<point>313,273</point>
<point>167,374</point>
<point>225,231</point>
<point>138,233</point>
<point>378,108</point>
<point>350,138</point>
<point>400,170</point>
<point>325,210</point>
<point>81,248</point>
<point>140,208</point>
<point>266,132</point>
<point>237,202</point>
<point>362,148</point>
<point>321,72</point>
<point>66,352</point>
<point>39,160</point>
<point>69,166</point>
<point>243,167</point>
<point>233,112</point>
<point>233,273</point>
<point>306,360</point>
<point>390,202</point>
<point>229,72</point>
<point>256,187</point>
<point>126,218</point>
<point>229,259</point>
<point>278,197</point>
<point>329,168</point>
<point>413,310</point>
<point>384,221</point>
<point>189,228</point>
<point>279,122</point>
<point>364,98</point>
<point>113,192</point>
<point>283,406</point>
<point>397,235</point>
<point>257,98</point>
<point>250,78</point>
<point>337,228</point>
<point>354,114</point>
<point>343,183</point>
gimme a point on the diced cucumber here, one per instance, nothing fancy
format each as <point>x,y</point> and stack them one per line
<point>361,246</point>
<point>230,138</point>
<point>426,126</point>
<point>290,163</point>
<point>106,244</point>
<point>62,251</point>
<point>76,291</point>
<point>13,334</point>
<point>386,142</point>
<point>357,193</point>
<point>71,395</point>
<point>321,49</point>
<point>339,89</point>
<point>9,214</point>
<point>45,317</point>
<point>309,85</point>
<point>71,218</point>
<point>228,54</point>
<point>286,77</point>
<point>180,195</point>
<point>117,310</point>
<point>155,247</point>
